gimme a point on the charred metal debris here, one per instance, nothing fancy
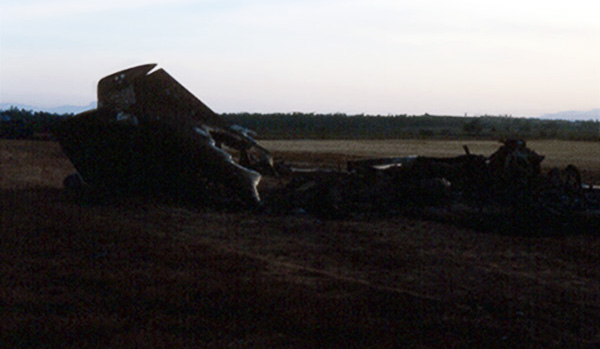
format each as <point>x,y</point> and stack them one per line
<point>506,191</point>
<point>149,134</point>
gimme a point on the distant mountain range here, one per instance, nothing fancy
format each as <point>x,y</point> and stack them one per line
<point>593,114</point>
<point>64,109</point>
<point>571,115</point>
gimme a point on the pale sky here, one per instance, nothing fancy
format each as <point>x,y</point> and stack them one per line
<point>516,57</point>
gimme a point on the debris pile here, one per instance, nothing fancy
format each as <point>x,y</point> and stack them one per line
<point>506,191</point>
<point>149,134</point>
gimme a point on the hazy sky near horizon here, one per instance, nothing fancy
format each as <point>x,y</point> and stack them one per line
<point>517,57</point>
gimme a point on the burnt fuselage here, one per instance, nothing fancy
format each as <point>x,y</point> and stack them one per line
<point>150,134</point>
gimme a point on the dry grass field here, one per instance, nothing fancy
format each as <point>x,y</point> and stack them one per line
<point>584,155</point>
<point>148,272</point>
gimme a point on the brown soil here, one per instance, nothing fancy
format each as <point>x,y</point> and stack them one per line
<point>124,272</point>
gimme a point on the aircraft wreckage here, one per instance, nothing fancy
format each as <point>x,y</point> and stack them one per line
<point>149,134</point>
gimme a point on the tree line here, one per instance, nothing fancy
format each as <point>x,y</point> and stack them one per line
<point>20,123</point>
<point>26,124</point>
<point>342,126</point>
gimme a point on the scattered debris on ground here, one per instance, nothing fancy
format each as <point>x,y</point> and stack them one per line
<point>506,191</point>
<point>150,134</point>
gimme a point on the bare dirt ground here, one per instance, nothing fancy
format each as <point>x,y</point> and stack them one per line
<point>126,272</point>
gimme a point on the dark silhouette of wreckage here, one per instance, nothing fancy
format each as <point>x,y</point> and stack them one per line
<point>150,134</point>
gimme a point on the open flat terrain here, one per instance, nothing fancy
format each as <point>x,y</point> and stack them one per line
<point>584,155</point>
<point>149,272</point>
